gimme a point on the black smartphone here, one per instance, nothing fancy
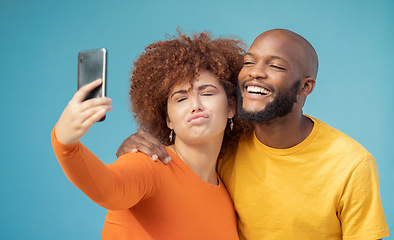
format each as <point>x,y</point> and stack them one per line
<point>92,65</point>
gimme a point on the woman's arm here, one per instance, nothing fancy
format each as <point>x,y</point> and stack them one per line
<point>120,185</point>
<point>114,187</point>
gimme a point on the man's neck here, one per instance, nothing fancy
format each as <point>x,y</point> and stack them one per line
<point>284,132</point>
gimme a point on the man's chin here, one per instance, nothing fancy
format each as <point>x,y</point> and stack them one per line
<point>252,109</point>
<point>250,115</point>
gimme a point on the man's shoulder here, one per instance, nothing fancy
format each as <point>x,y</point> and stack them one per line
<point>336,138</point>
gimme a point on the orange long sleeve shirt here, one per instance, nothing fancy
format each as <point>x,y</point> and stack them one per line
<point>149,200</point>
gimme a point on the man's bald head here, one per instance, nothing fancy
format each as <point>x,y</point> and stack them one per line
<point>309,61</point>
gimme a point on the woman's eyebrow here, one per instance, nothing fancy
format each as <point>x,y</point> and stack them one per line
<point>202,87</point>
<point>178,92</point>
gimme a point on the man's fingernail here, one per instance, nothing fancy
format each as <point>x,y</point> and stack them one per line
<point>167,160</point>
<point>154,157</point>
<point>134,150</point>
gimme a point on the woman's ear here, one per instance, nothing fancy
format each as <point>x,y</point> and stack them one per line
<point>169,124</point>
<point>232,108</point>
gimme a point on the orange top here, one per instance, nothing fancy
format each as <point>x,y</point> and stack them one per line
<point>149,200</point>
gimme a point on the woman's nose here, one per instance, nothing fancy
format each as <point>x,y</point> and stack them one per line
<point>196,105</point>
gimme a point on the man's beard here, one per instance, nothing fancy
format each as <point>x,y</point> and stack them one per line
<point>281,106</point>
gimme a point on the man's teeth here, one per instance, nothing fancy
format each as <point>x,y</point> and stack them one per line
<point>259,90</point>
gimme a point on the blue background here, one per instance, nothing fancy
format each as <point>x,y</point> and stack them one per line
<point>40,41</point>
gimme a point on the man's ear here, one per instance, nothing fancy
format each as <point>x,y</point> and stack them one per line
<point>308,84</point>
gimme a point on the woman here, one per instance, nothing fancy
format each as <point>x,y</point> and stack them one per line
<point>183,91</point>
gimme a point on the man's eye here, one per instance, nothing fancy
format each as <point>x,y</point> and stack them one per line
<point>277,67</point>
<point>248,62</point>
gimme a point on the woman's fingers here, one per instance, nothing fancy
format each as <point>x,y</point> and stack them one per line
<point>94,102</point>
<point>80,115</point>
<point>81,94</point>
<point>90,107</point>
<point>94,114</point>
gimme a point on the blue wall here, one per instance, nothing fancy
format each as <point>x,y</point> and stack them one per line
<point>38,71</point>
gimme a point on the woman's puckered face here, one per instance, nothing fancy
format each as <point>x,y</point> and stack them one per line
<point>198,111</point>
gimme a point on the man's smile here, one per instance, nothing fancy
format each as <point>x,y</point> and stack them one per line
<point>255,89</point>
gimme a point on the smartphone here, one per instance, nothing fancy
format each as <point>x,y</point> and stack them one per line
<point>92,65</point>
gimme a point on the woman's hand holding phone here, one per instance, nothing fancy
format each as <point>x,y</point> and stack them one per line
<point>80,115</point>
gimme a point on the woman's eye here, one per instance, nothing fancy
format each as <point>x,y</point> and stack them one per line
<point>206,94</point>
<point>181,99</point>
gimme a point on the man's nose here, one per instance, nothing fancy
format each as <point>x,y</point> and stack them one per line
<point>257,71</point>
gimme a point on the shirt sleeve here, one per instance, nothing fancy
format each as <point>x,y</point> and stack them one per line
<point>360,209</point>
<point>119,185</point>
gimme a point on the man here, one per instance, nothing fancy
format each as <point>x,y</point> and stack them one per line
<point>295,177</point>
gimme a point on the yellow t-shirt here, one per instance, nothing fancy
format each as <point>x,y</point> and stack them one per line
<point>326,187</point>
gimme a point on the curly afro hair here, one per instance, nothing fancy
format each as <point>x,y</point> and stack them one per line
<point>164,64</point>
